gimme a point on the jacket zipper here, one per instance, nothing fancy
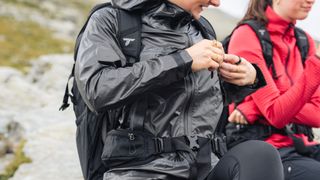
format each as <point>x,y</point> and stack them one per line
<point>190,89</point>
<point>288,55</point>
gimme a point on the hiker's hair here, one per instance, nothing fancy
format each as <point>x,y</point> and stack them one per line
<point>256,10</point>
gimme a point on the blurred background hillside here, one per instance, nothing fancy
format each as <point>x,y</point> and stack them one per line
<point>36,46</point>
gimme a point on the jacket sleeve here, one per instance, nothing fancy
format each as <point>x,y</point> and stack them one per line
<point>308,114</point>
<point>248,109</point>
<point>102,83</point>
<point>236,94</point>
<point>278,109</point>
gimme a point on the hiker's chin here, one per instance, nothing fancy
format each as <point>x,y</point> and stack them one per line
<point>196,12</point>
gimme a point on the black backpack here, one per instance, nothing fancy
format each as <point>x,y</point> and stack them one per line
<point>240,133</point>
<point>91,127</point>
<point>90,124</point>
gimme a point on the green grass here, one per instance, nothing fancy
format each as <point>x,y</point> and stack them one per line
<point>22,3</point>
<point>19,158</point>
<point>35,5</point>
<point>23,41</point>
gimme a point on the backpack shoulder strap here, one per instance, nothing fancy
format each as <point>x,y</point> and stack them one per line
<point>207,28</point>
<point>129,36</point>
<point>302,43</point>
<point>265,42</point>
<point>67,94</point>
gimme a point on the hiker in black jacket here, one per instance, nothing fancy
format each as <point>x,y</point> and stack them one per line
<point>164,107</point>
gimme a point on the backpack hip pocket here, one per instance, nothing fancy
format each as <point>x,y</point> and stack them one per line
<point>126,148</point>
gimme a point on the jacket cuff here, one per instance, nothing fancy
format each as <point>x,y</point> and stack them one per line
<point>234,93</point>
<point>245,111</point>
<point>260,81</point>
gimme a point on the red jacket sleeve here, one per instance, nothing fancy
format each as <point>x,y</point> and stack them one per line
<point>278,109</point>
<point>248,109</point>
<point>310,113</point>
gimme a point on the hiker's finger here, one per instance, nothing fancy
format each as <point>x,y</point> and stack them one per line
<point>231,75</point>
<point>218,44</point>
<point>237,117</point>
<point>233,68</point>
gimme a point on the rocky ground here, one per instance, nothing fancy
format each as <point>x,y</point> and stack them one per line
<point>33,101</point>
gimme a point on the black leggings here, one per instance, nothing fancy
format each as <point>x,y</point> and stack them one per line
<point>300,167</point>
<point>250,160</point>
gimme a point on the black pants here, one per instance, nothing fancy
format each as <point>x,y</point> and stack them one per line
<point>299,167</point>
<point>251,160</point>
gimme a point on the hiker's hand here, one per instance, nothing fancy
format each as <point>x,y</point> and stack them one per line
<point>205,56</point>
<point>318,52</point>
<point>237,117</point>
<point>238,71</point>
<point>218,45</point>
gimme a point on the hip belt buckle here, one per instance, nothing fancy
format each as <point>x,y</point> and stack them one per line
<point>193,143</point>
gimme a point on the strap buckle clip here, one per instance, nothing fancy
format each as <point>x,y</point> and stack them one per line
<point>193,143</point>
<point>158,145</point>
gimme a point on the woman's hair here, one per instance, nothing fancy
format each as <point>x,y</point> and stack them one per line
<point>256,11</point>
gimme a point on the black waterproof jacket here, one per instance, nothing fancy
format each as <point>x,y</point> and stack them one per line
<point>179,102</point>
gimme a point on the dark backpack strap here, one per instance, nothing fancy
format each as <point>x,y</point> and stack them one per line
<point>225,42</point>
<point>207,29</point>
<point>265,42</point>
<point>65,102</point>
<point>302,43</point>
<point>298,143</point>
<point>138,113</point>
<point>130,34</point>
<point>219,140</point>
<point>303,129</point>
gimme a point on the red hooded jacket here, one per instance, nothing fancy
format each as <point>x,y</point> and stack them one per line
<point>292,97</point>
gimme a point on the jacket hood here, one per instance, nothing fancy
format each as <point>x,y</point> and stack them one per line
<point>132,5</point>
<point>158,11</point>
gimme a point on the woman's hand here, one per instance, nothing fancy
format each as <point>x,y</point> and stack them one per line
<point>237,70</point>
<point>237,117</point>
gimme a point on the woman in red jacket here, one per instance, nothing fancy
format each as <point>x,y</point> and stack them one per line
<point>292,93</point>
